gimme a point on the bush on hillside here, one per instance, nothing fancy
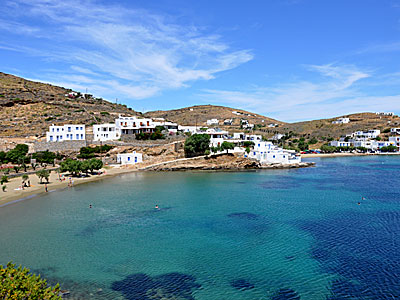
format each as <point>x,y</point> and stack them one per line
<point>196,145</point>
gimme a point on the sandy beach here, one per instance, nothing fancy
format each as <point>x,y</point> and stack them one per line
<point>14,192</point>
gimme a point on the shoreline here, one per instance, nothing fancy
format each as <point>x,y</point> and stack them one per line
<point>344,154</point>
<point>13,196</point>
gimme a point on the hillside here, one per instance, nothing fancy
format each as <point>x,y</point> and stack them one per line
<point>199,115</point>
<point>325,128</point>
<point>28,108</point>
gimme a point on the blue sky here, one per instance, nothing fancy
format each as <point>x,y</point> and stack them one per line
<point>290,59</point>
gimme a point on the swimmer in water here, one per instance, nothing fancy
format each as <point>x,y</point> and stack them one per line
<point>157,207</point>
<point>358,203</point>
<point>90,206</point>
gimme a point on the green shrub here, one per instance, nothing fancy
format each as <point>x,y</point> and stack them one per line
<point>196,145</point>
<point>18,283</point>
<point>4,179</point>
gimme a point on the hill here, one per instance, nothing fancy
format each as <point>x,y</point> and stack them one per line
<point>325,128</point>
<point>199,114</point>
<point>28,108</point>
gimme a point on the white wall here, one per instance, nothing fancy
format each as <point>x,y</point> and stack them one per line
<point>129,158</point>
<point>68,132</point>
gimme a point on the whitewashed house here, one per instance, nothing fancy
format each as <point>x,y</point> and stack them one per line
<point>106,132</point>
<point>277,137</point>
<point>341,121</point>
<point>69,132</point>
<point>370,134</point>
<point>228,122</point>
<point>383,113</point>
<point>268,153</point>
<point>170,126</point>
<point>396,141</point>
<point>340,143</point>
<point>212,122</point>
<point>272,125</point>
<point>129,158</point>
<point>395,130</point>
<point>217,136</point>
<point>241,136</point>
<point>191,129</point>
<point>134,125</point>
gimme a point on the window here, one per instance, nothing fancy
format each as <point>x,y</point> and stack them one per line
<point>58,129</point>
<point>81,128</point>
<point>51,138</point>
<point>52,129</point>
<point>274,156</point>
<point>69,129</point>
<point>81,136</point>
<point>129,159</point>
<point>77,136</point>
<point>135,159</point>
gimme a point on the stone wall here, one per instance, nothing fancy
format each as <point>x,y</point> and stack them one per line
<point>59,146</point>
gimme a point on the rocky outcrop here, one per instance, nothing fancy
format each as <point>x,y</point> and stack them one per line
<point>219,162</point>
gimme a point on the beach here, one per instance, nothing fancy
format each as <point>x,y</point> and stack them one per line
<point>14,192</point>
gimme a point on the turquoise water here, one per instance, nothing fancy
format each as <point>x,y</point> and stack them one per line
<point>280,234</point>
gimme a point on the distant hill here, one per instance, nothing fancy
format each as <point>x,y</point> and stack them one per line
<point>199,115</point>
<point>325,128</point>
<point>28,107</point>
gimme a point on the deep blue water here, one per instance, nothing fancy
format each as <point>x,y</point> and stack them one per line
<point>278,234</point>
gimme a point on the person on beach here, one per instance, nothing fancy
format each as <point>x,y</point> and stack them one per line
<point>29,183</point>
<point>45,188</point>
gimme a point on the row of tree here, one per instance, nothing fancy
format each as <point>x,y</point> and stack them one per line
<point>199,144</point>
<point>75,167</point>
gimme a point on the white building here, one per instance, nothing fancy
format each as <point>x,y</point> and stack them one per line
<point>69,132</point>
<point>370,134</point>
<point>277,137</point>
<point>134,125</point>
<point>216,136</point>
<point>268,153</point>
<point>191,129</point>
<point>382,113</point>
<point>228,121</point>
<point>341,121</point>
<point>212,122</point>
<point>396,141</point>
<point>129,158</point>
<point>246,137</point>
<point>106,132</point>
<point>340,143</point>
<point>170,126</point>
<point>395,130</point>
<point>272,125</point>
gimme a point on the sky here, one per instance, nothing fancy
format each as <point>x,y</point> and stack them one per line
<point>291,60</point>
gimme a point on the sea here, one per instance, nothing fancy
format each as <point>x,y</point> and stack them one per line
<point>326,232</point>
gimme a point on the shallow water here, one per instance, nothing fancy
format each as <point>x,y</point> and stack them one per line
<point>276,234</point>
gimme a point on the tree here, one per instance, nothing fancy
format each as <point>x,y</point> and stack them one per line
<point>196,145</point>
<point>4,179</point>
<point>85,166</point>
<point>3,157</point>
<point>227,146</point>
<point>328,149</point>
<point>19,283</point>
<point>16,169</point>
<point>313,141</point>
<point>24,178</point>
<point>95,164</point>
<point>43,174</point>
<point>389,148</point>
<point>72,166</point>
<point>248,144</point>
<point>44,157</point>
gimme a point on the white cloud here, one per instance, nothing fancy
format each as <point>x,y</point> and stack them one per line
<point>137,52</point>
<point>334,93</point>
